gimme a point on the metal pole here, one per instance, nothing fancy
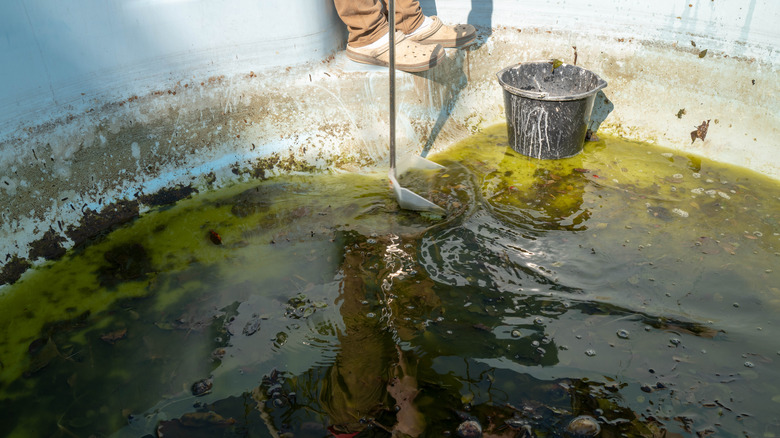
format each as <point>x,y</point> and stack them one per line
<point>391,35</point>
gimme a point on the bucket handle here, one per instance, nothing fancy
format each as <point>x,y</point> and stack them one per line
<point>545,96</point>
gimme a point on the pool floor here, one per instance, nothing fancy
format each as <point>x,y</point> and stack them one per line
<point>629,283</point>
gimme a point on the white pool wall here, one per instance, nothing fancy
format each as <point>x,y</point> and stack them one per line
<point>102,102</point>
<point>68,56</point>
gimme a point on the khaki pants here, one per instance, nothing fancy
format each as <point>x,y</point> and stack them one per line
<point>366,20</point>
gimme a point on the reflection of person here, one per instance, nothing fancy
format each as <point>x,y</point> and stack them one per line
<point>370,365</point>
<point>419,39</point>
<point>354,387</point>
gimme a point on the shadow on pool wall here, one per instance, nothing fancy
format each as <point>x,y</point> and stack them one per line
<point>76,168</point>
<point>602,106</point>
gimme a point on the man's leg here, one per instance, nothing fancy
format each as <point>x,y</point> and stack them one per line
<point>369,40</point>
<point>408,15</point>
<point>365,20</point>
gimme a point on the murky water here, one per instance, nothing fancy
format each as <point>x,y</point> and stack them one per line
<point>628,283</point>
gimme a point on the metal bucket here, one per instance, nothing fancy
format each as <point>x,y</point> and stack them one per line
<point>548,107</point>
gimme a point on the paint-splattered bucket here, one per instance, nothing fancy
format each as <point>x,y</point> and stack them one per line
<point>548,106</point>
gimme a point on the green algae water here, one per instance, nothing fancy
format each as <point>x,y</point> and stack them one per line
<point>629,283</point>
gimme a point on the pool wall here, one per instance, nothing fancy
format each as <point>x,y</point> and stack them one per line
<point>108,109</point>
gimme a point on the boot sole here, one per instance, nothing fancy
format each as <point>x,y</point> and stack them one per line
<point>412,68</point>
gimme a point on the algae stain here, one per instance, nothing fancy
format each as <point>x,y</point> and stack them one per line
<point>168,255</point>
<point>123,264</point>
<point>644,202</point>
<point>57,292</point>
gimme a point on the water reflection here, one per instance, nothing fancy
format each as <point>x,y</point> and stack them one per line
<point>413,356</point>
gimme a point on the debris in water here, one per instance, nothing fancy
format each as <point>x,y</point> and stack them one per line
<point>252,326</point>
<point>583,426</point>
<point>336,433</point>
<point>483,327</point>
<point>195,419</point>
<point>301,307</point>
<point>680,113</point>
<point>195,424</point>
<point>215,238</point>
<point>469,429</point>
<point>703,53</point>
<point>202,387</point>
<point>115,336</point>
<point>281,339</point>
